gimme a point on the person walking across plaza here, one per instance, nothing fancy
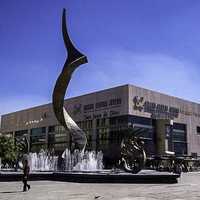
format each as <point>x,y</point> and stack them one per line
<point>26,170</point>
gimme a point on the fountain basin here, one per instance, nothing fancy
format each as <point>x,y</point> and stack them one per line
<point>104,176</point>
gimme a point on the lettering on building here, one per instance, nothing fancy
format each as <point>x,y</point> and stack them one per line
<point>35,121</point>
<point>138,103</point>
<point>156,110</point>
<point>102,105</point>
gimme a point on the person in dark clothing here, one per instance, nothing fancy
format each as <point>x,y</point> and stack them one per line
<point>26,170</point>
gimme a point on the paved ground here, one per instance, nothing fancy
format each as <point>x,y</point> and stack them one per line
<point>188,188</point>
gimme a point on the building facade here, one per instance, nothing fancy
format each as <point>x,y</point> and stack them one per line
<point>165,123</point>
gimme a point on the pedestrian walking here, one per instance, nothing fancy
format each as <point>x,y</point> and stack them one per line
<point>26,170</point>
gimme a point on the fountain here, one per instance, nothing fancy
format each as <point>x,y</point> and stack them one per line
<point>83,161</point>
<point>76,161</point>
<point>80,165</point>
<point>42,161</point>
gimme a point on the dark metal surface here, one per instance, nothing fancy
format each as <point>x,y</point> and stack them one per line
<point>133,156</point>
<point>74,59</point>
<point>23,144</point>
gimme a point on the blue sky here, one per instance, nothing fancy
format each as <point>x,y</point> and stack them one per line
<point>148,43</point>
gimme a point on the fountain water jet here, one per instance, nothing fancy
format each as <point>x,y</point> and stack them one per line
<point>42,161</point>
<point>76,161</point>
<point>83,161</point>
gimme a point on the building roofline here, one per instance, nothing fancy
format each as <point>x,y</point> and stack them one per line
<point>104,90</point>
<point>73,97</point>
<point>168,95</point>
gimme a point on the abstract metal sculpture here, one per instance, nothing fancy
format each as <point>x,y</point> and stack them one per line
<point>23,145</point>
<point>74,59</point>
<point>132,152</point>
<point>133,156</point>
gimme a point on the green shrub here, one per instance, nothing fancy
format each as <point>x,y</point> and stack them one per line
<point>8,150</point>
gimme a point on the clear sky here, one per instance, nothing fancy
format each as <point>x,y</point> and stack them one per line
<point>149,43</point>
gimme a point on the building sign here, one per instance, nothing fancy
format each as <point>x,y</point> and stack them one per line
<point>189,113</point>
<point>102,105</point>
<point>138,103</point>
<point>156,110</point>
<point>35,121</point>
<point>105,114</point>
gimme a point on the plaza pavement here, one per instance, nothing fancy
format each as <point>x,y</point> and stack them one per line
<point>188,188</point>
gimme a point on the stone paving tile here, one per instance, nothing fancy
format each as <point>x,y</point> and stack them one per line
<point>188,188</point>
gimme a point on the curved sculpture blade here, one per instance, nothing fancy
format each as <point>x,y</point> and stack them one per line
<point>74,59</point>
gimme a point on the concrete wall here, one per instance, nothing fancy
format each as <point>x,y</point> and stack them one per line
<point>189,112</point>
<point>43,115</point>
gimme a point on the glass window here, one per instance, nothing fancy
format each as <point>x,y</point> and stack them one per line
<point>101,104</point>
<point>38,131</point>
<point>179,135</point>
<point>113,121</point>
<point>103,122</point>
<point>20,133</point>
<point>179,126</point>
<point>139,120</point>
<point>51,129</point>
<point>38,135</point>
<point>61,135</point>
<point>38,139</point>
<point>115,102</point>
<point>198,130</point>
<point>143,132</point>
<point>180,148</point>
<point>98,122</point>
<point>51,138</point>
<point>149,147</point>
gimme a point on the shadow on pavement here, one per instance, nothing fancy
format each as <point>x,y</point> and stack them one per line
<point>10,192</point>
